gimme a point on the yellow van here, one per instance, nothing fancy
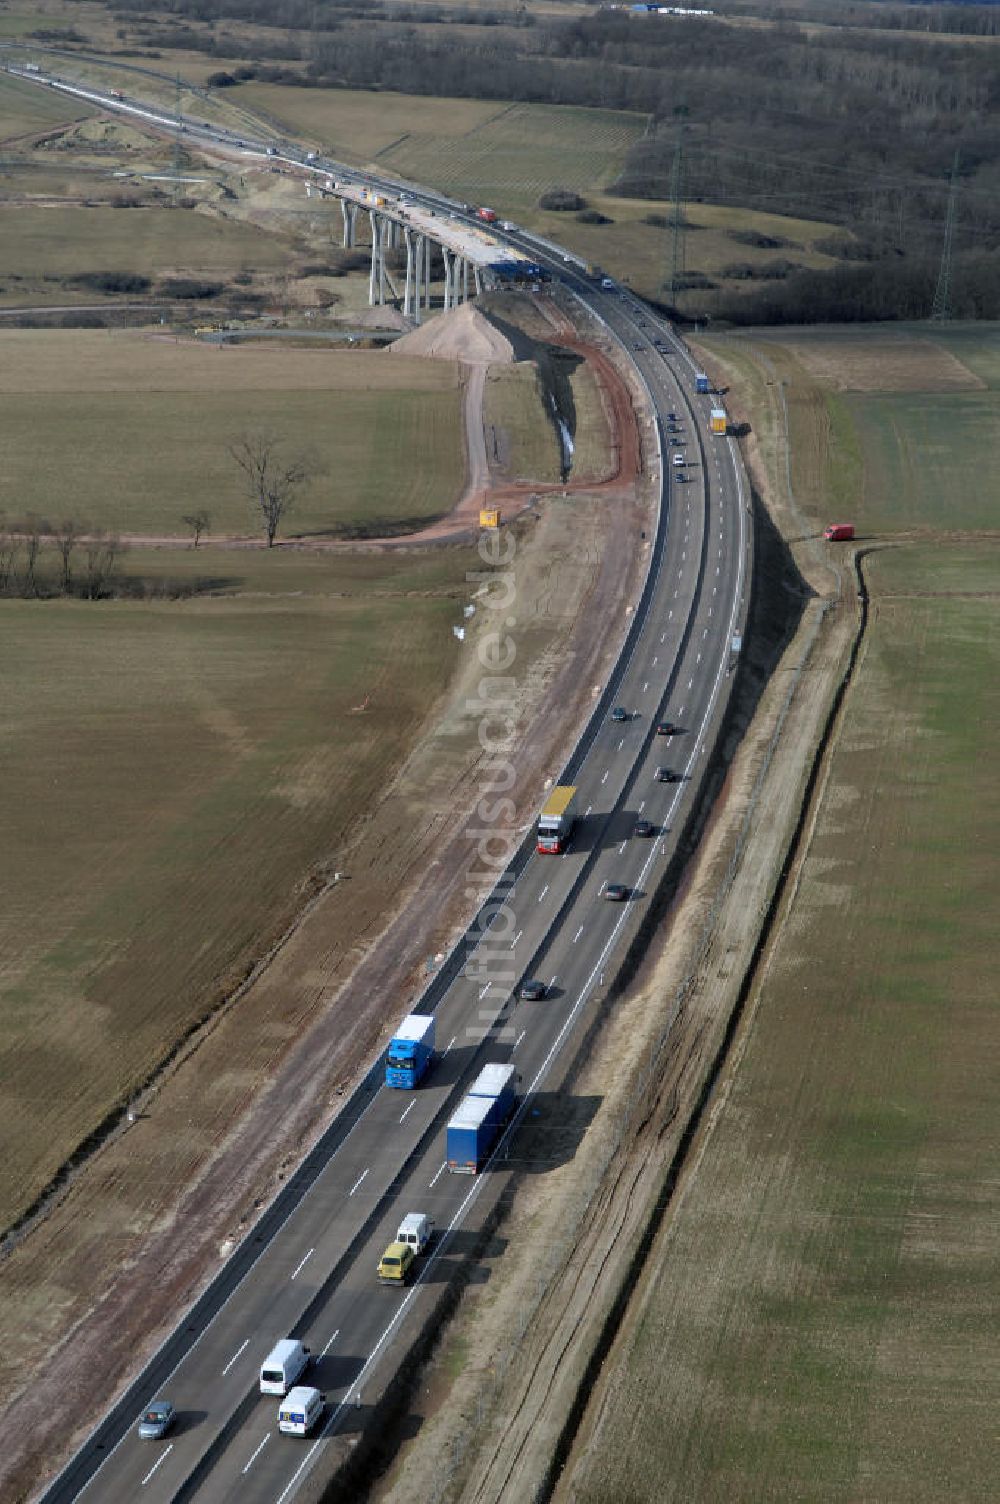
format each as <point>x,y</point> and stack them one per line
<point>395,1264</point>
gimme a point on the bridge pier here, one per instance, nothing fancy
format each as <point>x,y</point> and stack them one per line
<point>350,213</point>
<point>408,287</point>
<point>462,278</point>
<point>376,279</point>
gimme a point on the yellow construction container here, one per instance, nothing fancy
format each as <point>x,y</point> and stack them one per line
<point>489,517</point>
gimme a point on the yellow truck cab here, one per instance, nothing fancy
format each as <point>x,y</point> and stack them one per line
<point>395,1264</point>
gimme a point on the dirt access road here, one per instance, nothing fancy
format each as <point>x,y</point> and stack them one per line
<point>318,1008</point>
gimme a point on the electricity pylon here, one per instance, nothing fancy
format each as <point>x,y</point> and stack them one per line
<point>178,147</point>
<point>941,308</point>
<point>677,220</point>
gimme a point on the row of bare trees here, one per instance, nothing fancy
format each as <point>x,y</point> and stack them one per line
<point>85,560</point>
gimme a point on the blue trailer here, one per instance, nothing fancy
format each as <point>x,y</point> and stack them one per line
<point>499,1081</point>
<point>410,1051</point>
<point>480,1118</point>
<point>702,383</point>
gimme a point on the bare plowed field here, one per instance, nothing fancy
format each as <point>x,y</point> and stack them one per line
<point>175,771</point>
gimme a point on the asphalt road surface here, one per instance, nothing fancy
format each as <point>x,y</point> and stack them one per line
<point>308,1268</point>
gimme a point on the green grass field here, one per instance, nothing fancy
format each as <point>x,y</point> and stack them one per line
<point>820,1320</point>
<point>173,772</point>
<point>640,254</point>
<point>977,346</point>
<point>358,126</point>
<point>154,242</point>
<point>129,432</point>
<point>909,422</point>
<point>24,107</point>
<point>501,154</point>
<point>925,460</point>
<point>525,441</point>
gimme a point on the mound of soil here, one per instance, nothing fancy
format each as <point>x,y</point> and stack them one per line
<point>464,333</point>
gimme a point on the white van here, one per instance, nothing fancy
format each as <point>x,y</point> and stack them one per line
<point>300,1410</point>
<point>283,1366</point>
<point>416,1231</point>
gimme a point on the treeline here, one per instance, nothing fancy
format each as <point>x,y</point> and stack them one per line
<point>39,560</point>
<point>957,19</point>
<point>859,127</point>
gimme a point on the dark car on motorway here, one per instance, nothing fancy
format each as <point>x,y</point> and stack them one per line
<point>616,892</point>
<point>671,417</point>
<point>156,1420</point>
<point>532,991</point>
<point>666,728</point>
<point>619,713</point>
<point>643,828</point>
<point>666,775</point>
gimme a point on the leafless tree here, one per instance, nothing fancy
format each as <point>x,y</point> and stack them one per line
<point>9,545</point>
<point>199,522</point>
<point>34,530</point>
<point>101,550</point>
<point>67,536</point>
<point>271,480</point>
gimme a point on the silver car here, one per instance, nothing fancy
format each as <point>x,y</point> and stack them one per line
<point>156,1420</point>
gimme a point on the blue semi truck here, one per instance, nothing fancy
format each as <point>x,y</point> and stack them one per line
<point>410,1052</point>
<point>480,1117</point>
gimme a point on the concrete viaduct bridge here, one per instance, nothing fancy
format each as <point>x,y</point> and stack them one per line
<point>474,260</point>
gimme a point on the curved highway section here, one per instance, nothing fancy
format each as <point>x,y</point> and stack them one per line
<point>307,1268</point>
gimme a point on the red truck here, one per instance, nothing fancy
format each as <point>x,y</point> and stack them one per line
<point>488,214</point>
<point>839,532</point>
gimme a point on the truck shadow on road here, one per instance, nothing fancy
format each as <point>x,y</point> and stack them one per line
<point>356,1417</point>
<point>607,832</point>
<point>449,1069</point>
<point>458,1259</point>
<point>334,1372</point>
<point>549,1134</point>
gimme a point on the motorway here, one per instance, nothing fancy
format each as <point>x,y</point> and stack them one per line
<point>307,1269</point>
